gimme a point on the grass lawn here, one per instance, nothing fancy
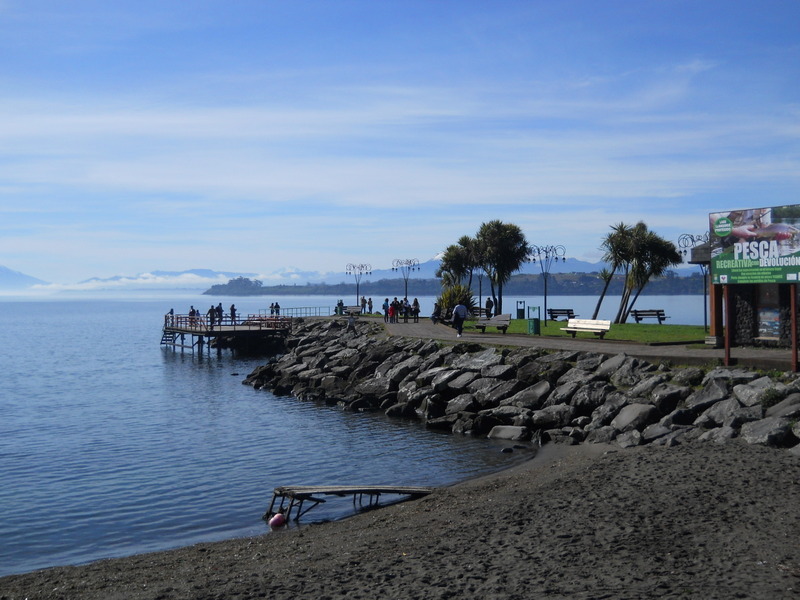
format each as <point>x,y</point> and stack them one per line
<point>630,332</point>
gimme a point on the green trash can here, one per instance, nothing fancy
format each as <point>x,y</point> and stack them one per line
<point>534,327</point>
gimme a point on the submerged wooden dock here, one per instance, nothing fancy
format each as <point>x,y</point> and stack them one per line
<point>195,332</point>
<point>298,495</point>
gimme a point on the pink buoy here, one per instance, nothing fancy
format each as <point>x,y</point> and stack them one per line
<point>277,520</point>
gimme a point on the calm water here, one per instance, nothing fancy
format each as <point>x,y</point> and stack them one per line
<point>111,445</point>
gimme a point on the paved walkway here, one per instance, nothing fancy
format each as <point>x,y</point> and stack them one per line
<point>678,354</point>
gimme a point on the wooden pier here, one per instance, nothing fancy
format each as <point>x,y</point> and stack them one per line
<point>298,495</point>
<point>195,332</point>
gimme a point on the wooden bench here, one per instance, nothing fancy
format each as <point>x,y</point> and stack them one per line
<point>501,322</point>
<point>650,313</point>
<point>554,313</point>
<point>597,327</point>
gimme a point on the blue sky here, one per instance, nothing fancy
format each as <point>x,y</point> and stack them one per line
<point>253,136</point>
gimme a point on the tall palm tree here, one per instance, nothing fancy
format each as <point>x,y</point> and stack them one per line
<point>502,249</point>
<point>639,255</point>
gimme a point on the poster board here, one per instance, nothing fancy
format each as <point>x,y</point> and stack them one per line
<point>758,245</point>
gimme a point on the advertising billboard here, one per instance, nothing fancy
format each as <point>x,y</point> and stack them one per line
<point>758,245</point>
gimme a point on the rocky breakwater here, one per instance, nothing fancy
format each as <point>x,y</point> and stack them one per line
<point>524,393</point>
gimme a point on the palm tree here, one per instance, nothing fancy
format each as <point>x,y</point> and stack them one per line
<point>639,255</point>
<point>502,249</point>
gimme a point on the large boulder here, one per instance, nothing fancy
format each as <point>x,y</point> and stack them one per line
<point>509,432</point>
<point>635,416</point>
<point>551,417</point>
<point>591,396</point>
<point>772,431</point>
<point>711,393</point>
<point>789,407</point>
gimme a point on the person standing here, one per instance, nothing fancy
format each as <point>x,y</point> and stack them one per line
<point>415,310</point>
<point>459,316</point>
<point>489,306</point>
<point>233,314</point>
<point>277,310</point>
<point>369,305</point>
<point>385,310</point>
<point>211,314</point>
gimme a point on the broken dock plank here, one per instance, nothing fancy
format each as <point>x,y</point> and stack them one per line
<point>297,495</point>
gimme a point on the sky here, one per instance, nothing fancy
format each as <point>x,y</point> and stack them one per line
<point>261,136</point>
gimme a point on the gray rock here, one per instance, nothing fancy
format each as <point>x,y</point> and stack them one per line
<point>375,387</point>
<point>604,414</point>
<point>719,435</point>
<point>499,371</point>
<point>690,376</point>
<point>601,435</point>
<point>629,439</point>
<point>477,360</point>
<point>733,376</point>
<point>630,373</point>
<point>646,385</point>
<point>531,397</point>
<point>492,397</point>
<point>612,365</point>
<point>460,383</point>
<point>666,396</point>
<point>743,415</point>
<point>441,380</point>
<point>789,407</point>
<point>562,394</point>
<point>678,417</point>
<point>772,431</point>
<point>717,414</point>
<point>462,403</point>
<point>654,431</point>
<point>509,432</point>
<point>754,392</point>
<point>591,396</point>
<point>590,361</point>
<point>425,378</point>
<point>578,376</point>
<point>713,391</point>
<point>559,415</point>
<point>635,416</point>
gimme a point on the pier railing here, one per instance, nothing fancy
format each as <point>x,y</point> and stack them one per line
<point>203,323</point>
<point>302,311</point>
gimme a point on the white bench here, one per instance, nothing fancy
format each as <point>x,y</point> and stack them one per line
<point>597,327</point>
<point>352,310</point>
<point>501,322</point>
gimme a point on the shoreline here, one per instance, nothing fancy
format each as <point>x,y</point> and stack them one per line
<point>700,519</point>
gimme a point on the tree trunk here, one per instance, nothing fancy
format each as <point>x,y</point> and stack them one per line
<point>600,299</point>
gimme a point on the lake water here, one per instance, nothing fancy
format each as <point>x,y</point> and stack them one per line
<point>112,445</point>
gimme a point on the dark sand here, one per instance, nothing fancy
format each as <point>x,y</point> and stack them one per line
<point>696,521</point>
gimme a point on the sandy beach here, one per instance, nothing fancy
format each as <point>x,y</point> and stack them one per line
<point>700,520</point>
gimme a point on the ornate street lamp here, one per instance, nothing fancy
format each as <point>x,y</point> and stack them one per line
<point>687,241</point>
<point>405,266</point>
<point>545,256</point>
<point>358,271</point>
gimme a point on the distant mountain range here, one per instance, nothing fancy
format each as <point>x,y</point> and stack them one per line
<point>14,280</point>
<point>203,279</point>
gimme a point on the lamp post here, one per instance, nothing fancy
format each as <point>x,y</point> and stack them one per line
<point>546,255</point>
<point>687,241</point>
<point>405,266</point>
<point>358,271</point>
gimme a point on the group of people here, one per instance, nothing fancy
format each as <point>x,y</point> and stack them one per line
<point>274,310</point>
<point>400,309</point>
<point>215,315</point>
